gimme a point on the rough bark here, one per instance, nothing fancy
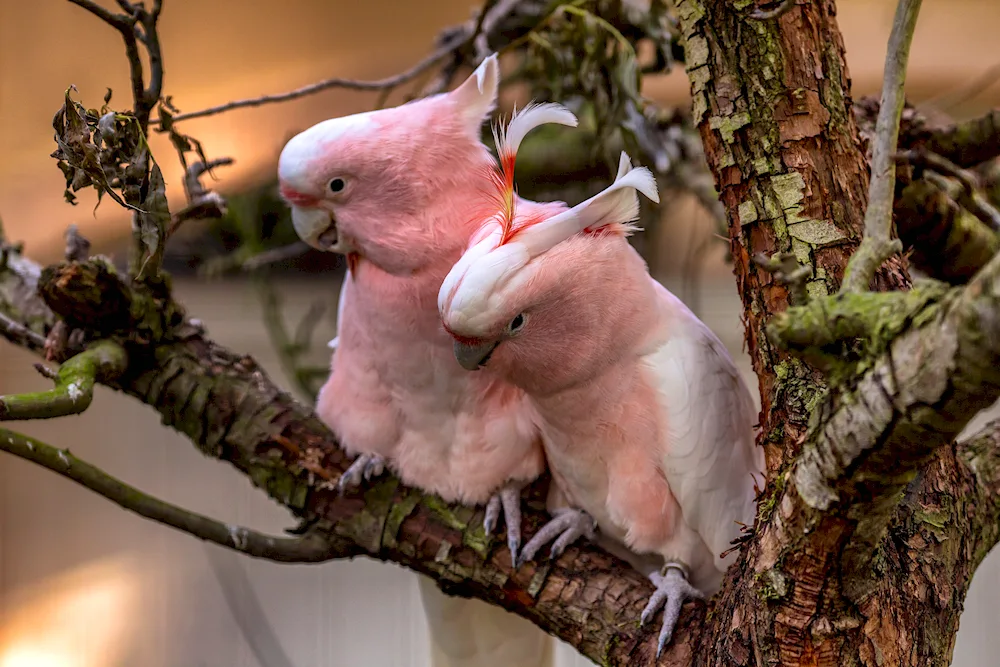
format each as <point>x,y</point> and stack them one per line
<point>772,102</point>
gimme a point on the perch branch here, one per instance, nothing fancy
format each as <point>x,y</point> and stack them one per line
<point>877,244</point>
<point>310,548</point>
<point>74,390</point>
<point>232,411</point>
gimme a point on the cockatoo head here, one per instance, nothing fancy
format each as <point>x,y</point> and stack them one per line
<point>363,184</point>
<point>526,301</point>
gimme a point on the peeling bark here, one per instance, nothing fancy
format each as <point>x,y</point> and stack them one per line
<point>772,102</point>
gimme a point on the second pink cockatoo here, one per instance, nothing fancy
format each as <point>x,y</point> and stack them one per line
<point>647,425</point>
<point>400,191</point>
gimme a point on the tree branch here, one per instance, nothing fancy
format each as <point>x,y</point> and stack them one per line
<point>310,548</point>
<point>878,244</point>
<point>231,410</point>
<point>74,390</point>
<point>334,82</point>
<point>967,143</point>
<point>948,242</point>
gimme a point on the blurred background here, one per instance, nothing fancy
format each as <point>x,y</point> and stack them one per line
<point>82,583</point>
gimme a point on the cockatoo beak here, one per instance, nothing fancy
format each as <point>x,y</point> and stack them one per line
<point>474,356</point>
<point>318,228</point>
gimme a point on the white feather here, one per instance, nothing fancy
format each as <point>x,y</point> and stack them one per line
<point>530,117</point>
<point>710,463</point>
<point>618,203</point>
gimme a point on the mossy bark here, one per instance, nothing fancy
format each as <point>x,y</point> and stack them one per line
<point>773,106</point>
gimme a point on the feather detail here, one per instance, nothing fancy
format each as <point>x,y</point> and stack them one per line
<point>508,140</point>
<point>611,210</point>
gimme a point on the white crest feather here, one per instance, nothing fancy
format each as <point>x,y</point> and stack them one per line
<point>531,116</point>
<point>618,203</point>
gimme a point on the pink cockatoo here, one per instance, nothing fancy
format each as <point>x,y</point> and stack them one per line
<point>647,425</point>
<point>399,191</point>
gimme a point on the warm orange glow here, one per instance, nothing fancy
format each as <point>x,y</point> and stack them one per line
<point>78,619</point>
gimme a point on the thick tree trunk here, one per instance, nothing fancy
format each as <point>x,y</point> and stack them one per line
<point>772,102</point>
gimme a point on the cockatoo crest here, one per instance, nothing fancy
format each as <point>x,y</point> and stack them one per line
<point>486,274</point>
<point>508,139</point>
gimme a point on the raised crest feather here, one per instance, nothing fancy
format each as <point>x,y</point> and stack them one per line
<point>615,207</point>
<point>508,140</point>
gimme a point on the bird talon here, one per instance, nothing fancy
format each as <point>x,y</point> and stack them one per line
<point>672,590</point>
<point>364,468</point>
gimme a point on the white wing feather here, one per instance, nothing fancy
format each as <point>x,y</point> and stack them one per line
<point>710,459</point>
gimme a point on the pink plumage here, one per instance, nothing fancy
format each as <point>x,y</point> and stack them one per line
<point>646,423</point>
<point>400,192</point>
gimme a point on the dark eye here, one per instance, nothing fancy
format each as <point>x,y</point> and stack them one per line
<point>337,184</point>
<point>517,323</point>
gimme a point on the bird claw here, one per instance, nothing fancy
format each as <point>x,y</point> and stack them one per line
<point>565,527</point>
<point>365,468</point>
<point>509,499</point>
<point>672,590</point>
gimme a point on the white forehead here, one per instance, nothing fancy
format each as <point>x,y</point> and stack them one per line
<point>476,290</point>
<point>298,153</point>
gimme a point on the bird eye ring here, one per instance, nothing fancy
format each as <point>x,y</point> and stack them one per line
<point>517,323</point>
<point>337,184</point>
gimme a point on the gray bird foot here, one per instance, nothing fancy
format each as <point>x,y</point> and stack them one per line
<point>565,527</point>
<point>509,498</point>
<point>366,467</point>
<point>672,590</point>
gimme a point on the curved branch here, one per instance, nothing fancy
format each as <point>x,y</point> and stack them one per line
<point>74,390</point>
<point>310,548</point>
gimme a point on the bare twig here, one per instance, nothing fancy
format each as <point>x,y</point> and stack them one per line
<point>17,333</point>
<point>74,388</point>
<point>310,548</point>
<point>767,14</point>
<point>878,244</point>
<point>335,82</point>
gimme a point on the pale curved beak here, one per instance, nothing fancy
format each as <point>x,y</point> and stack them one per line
<point>318,228</point>
<point>474,357</point>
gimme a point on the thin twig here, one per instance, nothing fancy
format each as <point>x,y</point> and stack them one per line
<point>118,21</point>
<point>310,548</point>
<point>19,334</point>
<point>766,14</point>
<point>877,244</point>
<point>335,82</point>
